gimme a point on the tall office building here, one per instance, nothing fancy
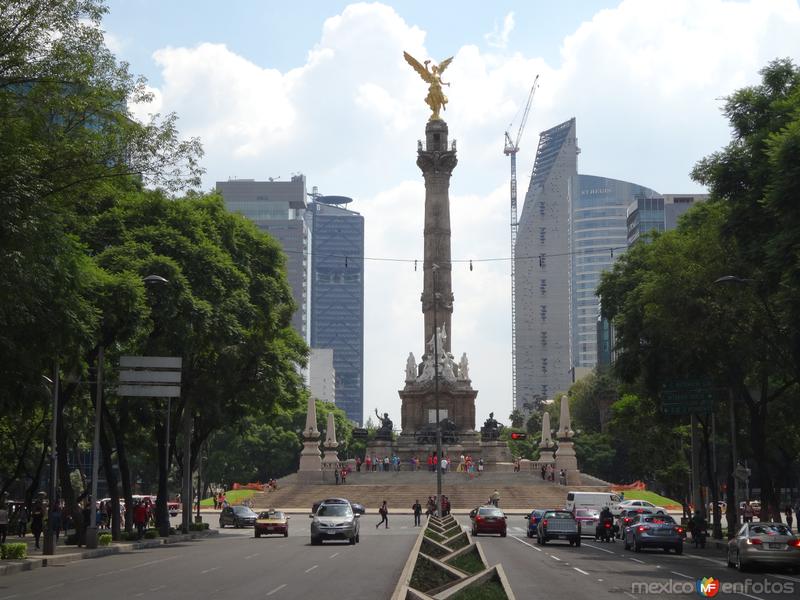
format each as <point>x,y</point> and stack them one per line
<point>657,214</point>
<point>542,269</point>
<point>598,236</point>
<point>278,207</point>
<point>337,295</point>
<point>322,375</point>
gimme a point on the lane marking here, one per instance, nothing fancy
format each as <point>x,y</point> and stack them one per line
<point>9,597</point>
<point>311,568</point>
<point>513,537</point>
<point>252,556</point>
<point>580,570</point>
<point>711,560</point>
<point>334,555</point>
<point>155,589</point>
<point>629,595</point>
<point>518,529</point>
<point>51,587</point>
<point>599,548</point>
<point>785,577</point>
<point>209,570</point>
<point>277,589</point>
<point>554,556</point>
<point>641,562</point>
<point>682,575</point>
<point>749,596</point>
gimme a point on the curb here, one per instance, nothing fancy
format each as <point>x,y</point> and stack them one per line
<point>30,563</point>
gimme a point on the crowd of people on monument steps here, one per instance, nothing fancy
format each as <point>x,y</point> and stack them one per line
<point>374,463</point>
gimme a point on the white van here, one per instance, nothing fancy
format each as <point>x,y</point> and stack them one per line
<point>595,500</point>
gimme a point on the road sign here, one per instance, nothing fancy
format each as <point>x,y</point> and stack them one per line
<point>150,376</point>
<point>687,396</point>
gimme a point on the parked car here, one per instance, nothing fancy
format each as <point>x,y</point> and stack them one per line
<point>272,521</point>
<point>558,525</point>
<point>654,531</point>
<point>357,507</point>
<point>628,504</point>
<point>335,521</point>
<point>588,518</point>
<point>488,519</point>
<point>627,516</point>
<point>533,519</point>
<point>764,544</point>
<point>238,516</point>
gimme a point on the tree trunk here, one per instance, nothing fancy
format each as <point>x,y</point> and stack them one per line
<point>122,459</point>
<point>162,516</point>
<point>37,476</point>
<point>71,507</point>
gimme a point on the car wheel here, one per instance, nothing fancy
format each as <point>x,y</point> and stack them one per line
<point>730,562</point>
<point>637,547</point>
<point>626,545</point>
<point>258,534</point>
<point>538,539</point>
<point>221,525</point>
<point>544,540</point>
<point>352,541</point>
<point>741,566</point>
<point>503,534</point>
<point>315,541</point>
<point>358,538</point>
<point>286,533</point>
<point>578,543</point>
<point>529,534</point>
<point>679,549</point>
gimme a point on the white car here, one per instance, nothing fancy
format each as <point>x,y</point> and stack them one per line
<point>659,510</point>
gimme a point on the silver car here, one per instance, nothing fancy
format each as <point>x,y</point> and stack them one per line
<point>764,544</point>
<point>334,522</point>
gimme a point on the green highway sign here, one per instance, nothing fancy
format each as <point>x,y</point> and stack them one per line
<point>684,397</point>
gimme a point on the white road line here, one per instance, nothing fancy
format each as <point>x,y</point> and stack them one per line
<point>311,568</point>
<point>518,528</point>
<point>599,548</point>
<point>513,537</point>
<point>277,589</point>
<point>155,589</point>
<point>334,555</point>
<point>641,562</point>
<point>629,595</point>
<point>580,570</point>
<point>749,596</point>
<point>786,578</point>
<point>9,597</point>
<point>209,570</point>
<point>554,557</point>
<point>252,556</point>
<point>139,595</point>
<point>711,560</point>
<point>51,587</point>
<point>682,575</point>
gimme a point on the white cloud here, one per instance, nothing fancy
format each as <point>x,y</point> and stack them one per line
<point>642,79</point>
<point>499,38</point>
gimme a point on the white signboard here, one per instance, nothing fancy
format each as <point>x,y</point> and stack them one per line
<point>150,376</point>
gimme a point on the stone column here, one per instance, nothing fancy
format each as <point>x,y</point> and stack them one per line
<point>331,459</point>
<point>310,457</point>
<point>437,162</point>
<point>546,445</point>
<point>565,455</point>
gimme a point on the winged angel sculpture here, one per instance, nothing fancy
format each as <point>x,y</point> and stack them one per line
<point>433,77</point>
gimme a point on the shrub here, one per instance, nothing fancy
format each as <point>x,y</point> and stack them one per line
<point>13,551</point>
<point>198,526</point>
<point>104,539</point>
<point>151,534</point>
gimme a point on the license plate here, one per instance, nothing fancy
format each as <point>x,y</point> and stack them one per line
<point>556,537</point>
<point>330,533</point>
<point>776,546</point>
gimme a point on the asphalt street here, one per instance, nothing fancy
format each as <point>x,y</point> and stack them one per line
<point>236,565</point>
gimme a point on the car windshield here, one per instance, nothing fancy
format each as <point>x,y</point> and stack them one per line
<point>334,510</point>
<point>558,514</point>
<point>769,529</point>
<point>271,515</point>
<point>243,511</point>
<point>661,519</point>
<point>491,512</point>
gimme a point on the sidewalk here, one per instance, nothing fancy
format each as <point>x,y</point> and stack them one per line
<point>66,554</point>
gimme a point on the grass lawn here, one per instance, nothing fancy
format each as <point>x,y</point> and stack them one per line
<point>491,590</point>
<point>233,497</point>
<point>667,503</point>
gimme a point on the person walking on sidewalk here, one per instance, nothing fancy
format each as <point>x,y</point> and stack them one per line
<point>344,475</point>
<point>37,521</point>
<point>495,499</point>
<point>417,508</point>
<point>383,511</point>
<point>3,522</point>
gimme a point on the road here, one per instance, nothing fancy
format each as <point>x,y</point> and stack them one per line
<point>235,564</point>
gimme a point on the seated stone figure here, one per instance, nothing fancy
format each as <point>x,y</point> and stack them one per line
<point>491,429</point>
<point>385,430</point>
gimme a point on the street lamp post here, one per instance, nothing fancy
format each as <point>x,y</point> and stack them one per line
<point>91,529</point>
<point>49,535</point>
<point>435,268</point>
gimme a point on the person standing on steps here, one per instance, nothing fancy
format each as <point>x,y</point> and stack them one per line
<point>383,511</point>
<point>336,475</point>
<point>417,508</point>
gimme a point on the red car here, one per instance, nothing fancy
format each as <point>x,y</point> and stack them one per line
<point>488,519</point>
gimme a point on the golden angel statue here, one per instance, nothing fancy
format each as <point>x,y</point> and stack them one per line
<point>435,98</point>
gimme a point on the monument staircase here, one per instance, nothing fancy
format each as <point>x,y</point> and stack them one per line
<point>518,491</point>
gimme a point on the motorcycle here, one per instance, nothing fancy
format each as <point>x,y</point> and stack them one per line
<point>604,531</point>
<point>699,535</point>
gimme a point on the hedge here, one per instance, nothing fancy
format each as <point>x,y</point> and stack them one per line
<point>104,539</point>
<point>13,551</point>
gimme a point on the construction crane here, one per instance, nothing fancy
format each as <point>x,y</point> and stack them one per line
<point>511,149</point>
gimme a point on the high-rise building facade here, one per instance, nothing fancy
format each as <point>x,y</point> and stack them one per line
<point>645,215</point>
<point>278,208</point>
<point>337,295</point>
<point>542,269</point>
<point>322,375</point>
<point>598,235</point>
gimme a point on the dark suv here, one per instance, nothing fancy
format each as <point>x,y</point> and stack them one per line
<point>238,516</point>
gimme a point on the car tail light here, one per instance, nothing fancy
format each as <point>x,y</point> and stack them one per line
<point>544,522</point>
<point>608,525</point>
<point>794,543</point>
<point>626,520</point>
<point>679,529</point>
<point>641,528</point>
<point>754,541</point>
<point>478,518</point>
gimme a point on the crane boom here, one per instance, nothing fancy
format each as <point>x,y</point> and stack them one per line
<point>511,149</point>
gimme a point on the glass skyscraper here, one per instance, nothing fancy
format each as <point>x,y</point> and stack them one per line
<point>337,296</point>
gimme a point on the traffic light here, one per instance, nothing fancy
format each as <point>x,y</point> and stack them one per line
<point>518,435</point>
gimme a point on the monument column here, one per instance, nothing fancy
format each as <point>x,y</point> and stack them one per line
<point>437,162</point>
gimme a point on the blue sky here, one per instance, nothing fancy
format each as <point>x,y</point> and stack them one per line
<point>321,88</point>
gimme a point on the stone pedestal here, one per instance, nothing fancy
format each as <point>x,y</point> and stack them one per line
<point>456,402</point>
<point>496,452</point>
<point>310,470</point>
<point>380,448</point>
<point>565,459</point>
